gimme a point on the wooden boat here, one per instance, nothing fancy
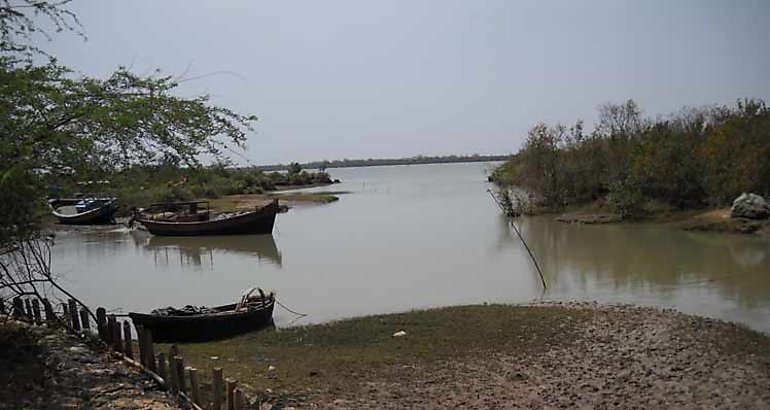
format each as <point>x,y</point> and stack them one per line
<point>84,210</point>
<point>250,314</point>
<point>193,221</point>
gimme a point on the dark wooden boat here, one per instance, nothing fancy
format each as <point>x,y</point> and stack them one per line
<point>223,322</point>
<point>84,210</point>
<point>194,222</point>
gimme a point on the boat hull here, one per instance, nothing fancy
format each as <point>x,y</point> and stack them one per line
<point>260,221</point>
<point>205,327</point>
<point>105,214</point>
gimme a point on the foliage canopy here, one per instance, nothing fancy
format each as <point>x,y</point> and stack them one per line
<point>698,157</point>
<point>54,122</point>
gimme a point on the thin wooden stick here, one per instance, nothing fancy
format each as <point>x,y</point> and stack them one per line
<point>532,256</point>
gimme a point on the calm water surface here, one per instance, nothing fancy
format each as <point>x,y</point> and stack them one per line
<point>414,237</point>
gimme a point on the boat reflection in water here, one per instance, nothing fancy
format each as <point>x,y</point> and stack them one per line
<point>199,251</point>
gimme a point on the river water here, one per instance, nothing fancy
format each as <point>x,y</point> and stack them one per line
<point>420,236</point>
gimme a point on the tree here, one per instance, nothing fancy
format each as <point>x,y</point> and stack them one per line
<point>294,168</point>
<point>54,123</point>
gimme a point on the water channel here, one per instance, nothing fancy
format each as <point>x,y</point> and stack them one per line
<point>408,237</point>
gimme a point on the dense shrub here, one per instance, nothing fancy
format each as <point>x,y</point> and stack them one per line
<point>697,157</point>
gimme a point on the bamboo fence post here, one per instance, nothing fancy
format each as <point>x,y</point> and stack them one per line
<point>101,324</point>
<point>28,308</point>
<point>73,308</point>
<point>179,368</point>
<point>114,329</point>
<point>149,349</point>
<point>173,375</point>
<point>50,316</point>
<point>66,313</point>
<point>2,306</point>
<point>18,307</point>
<point>162,366</point>
<point>85,321</point>
<point>230,385</point>
<point>128,348</point>
<point>217,387</point>
<point>238,399</point>
<point>36,312</point>
<point>194,385</point>
<point>142,350</point>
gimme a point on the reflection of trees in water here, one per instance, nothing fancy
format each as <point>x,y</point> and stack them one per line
<point>637,256</point>
<point>198,250</point>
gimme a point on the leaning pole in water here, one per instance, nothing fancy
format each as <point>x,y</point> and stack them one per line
<point>518,233</point>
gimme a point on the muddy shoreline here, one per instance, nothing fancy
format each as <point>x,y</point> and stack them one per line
<point>555,355</point>
<point>561,355</point>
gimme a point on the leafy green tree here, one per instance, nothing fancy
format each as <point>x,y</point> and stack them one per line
<point>54,123</point>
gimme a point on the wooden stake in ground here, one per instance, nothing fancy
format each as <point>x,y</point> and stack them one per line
<point>85,321</point>
<point>217,387</point>
<point>74,315</point>
<point>128,347</point>
<point>194,385</point>
<point>36,311</point>
<point>230,388</point>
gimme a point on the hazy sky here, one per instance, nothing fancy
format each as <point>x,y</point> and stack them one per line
<point>357,79</point>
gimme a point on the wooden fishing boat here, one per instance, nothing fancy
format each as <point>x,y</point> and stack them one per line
<point>193,221</point>
<point>84,210</point>
<point>176,326</point>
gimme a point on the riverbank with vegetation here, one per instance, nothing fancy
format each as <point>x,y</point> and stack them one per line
<point>494,356</point>
<point>634,168</point>
<point>716,220</point>
<point>226,187</point>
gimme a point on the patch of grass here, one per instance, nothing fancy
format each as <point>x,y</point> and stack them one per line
<point>241,202</point>
<point>339,353</point>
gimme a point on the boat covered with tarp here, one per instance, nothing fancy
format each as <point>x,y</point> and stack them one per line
<point>201,324</point>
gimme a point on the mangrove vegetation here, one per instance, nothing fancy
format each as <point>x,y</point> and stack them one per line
<point>632,165</point>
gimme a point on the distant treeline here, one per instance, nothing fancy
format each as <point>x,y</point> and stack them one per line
<point>370,162</point>
<point>697,157</point>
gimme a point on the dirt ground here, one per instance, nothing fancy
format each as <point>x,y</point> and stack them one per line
<point>46,368</point>
<point>545,356</point>
<point>622,358</point>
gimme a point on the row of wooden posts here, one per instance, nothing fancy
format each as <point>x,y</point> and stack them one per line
<point>169,371</point>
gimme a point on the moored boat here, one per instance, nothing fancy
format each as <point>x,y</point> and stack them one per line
<point>192,221</point>
<point>204,324</point>
<point>84,210</point>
